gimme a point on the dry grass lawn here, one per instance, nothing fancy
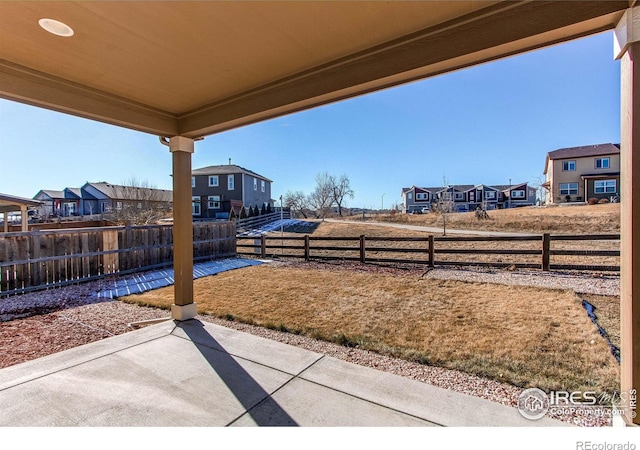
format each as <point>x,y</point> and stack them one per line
<point>521,335</point>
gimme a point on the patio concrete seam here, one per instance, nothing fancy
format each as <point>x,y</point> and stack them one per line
<point>270,396</point>
<point>79,364</point>
<point>372,402</point>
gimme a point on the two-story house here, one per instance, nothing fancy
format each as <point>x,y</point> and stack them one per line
<point>216,190</point>
<point>577,174</point>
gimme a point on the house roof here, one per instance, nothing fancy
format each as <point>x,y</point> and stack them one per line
<point>115,191</point>
<point>50,193</point>
<point>600,174</point>
<point>506,187</point>
<point>586,150</point>
<point>226,169</point>
<point>75,191</point>
<point>11,203</point>
<point>581,152</point>
<point>193,68</point>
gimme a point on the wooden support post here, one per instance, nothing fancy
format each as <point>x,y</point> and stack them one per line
<point>263,246</point>
<point>546,247</point>
<point>431,250</point>
<point>627,36</point>
<point>306,248</point>
<point>184,307</point>
<point>362,249</point>
<point>24,219</point>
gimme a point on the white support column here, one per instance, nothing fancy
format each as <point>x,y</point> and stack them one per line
<point>627,48</point>
<point>5,217</point>
<point>24,218</point>
<point>184,307</point>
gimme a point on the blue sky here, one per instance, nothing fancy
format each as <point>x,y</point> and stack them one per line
<point>485,124</point>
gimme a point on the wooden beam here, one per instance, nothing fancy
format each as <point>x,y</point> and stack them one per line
<point>630,216</point>
<point>35,88</point>
<point>500,30</point>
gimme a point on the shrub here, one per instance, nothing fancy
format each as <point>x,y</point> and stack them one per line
<point>263,211</point>
<point>243,213</point>
<point>603,200</point>
<point>592,201</point>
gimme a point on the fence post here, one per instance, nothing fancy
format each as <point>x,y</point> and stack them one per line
<point>263,246</point>
<point>546,246</point>
<point>431,250</point>
<point>306,248</point>
<point>362,249</point>
<point>110,261</point>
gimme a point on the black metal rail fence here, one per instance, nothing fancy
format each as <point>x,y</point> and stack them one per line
<point>600,253</point>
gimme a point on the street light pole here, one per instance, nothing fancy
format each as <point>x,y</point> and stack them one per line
<point>509,192</point>
<point>382,206</point>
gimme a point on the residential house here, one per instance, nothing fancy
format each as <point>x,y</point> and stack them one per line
<point>216,190</point>
<point>466,197</point>
<point>416,199</point>
<point>58,203</point>
<point>577,174</point>
<point>102,197</point>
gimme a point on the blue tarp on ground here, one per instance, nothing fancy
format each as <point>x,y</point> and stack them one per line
<point>136,284</point>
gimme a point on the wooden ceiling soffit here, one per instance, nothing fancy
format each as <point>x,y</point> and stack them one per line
<point>415,56</point>
<point>40,89</point>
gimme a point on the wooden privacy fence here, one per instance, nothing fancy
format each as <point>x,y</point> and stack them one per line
<point>41,259</point>
<point>546,252</point>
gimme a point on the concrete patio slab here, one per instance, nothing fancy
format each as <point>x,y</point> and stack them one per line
<point>194,373</point>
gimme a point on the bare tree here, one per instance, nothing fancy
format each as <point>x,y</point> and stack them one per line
<point>140,203</point>
<point>341,189</point>
<point>297,201</point>
<point>321,198</point>
<point>444,205</point>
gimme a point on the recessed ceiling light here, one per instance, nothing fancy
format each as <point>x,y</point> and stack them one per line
<point>56,27</point>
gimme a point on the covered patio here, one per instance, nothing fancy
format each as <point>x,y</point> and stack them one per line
<point>13,204</point>
<point>185,70</point>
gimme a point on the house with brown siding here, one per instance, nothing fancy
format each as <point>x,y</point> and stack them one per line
<point>577,174</point>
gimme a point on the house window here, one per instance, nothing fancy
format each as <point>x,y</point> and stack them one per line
<point>195,206</point>
<point>118,206</point>
<point>517,194</point>
<point>214,202</point>
<point>568,188</point>
<point>409,195</point>
<point>459,196</point>
<point>230,182</point>
<point>422,196</point>
<point>103,207</point>
<point>605,187</point>
<point>193,182</point>
<point>139,205</point>
<point>602,163</point>
<point>568,166</point>
<point>255,184</point>
<point>262,185</point>
<point>213,181</point>
<point>490,195</point>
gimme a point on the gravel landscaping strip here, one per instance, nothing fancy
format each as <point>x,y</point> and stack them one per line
<point>41,323</point>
